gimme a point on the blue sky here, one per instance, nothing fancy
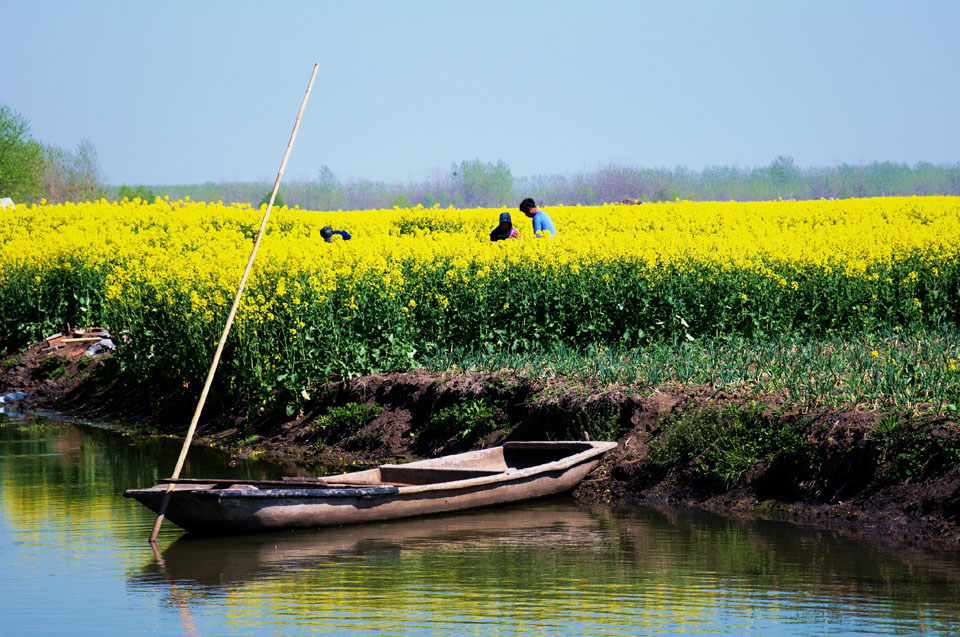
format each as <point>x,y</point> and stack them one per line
<point>186,92</point>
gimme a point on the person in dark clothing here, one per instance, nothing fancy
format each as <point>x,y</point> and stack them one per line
<point>505,230</point>
<point>327,233</point>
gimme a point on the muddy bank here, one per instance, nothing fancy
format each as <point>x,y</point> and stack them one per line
<point>862,472</point>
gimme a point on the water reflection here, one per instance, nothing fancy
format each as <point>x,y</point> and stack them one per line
<point>227,562</point>
<point>547,568</point>
<point>552,561</point>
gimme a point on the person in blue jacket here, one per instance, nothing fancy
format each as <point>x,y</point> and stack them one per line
<point>541,220</point>
<point>327,233</point>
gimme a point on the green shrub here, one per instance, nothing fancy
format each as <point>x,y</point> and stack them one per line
<point>145,194</point>
<point>721,443</point>
<point>52,367</point>
<point>339,421</point>
<point>470,420</point>
<point>600,421</point>
<point>904,451</point>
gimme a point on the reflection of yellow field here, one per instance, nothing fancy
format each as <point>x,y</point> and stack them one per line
<point>551,567</point>
<point>523,565</point>
<point>219,562</point>
<point>41,490</point>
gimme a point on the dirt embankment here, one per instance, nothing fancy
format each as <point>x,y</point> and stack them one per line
<point>909,492</point>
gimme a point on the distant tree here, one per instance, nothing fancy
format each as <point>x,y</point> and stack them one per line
<point>483,184</point>
<point>330,194</point>
<point>364,194</point>
<point>852,181</point>
<point>21,159</point>
<point>72,175</point>
<point>822,183</point>
<point>887,178</point>
<point>401,201</point>
<point>954,180</point>
<point>277,202</point>
<point>783,172</point>
<point>145,194</point>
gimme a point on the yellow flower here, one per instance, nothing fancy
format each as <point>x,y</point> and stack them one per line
<point>874,354</point>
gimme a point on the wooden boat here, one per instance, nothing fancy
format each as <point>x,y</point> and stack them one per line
<point>512,472</point>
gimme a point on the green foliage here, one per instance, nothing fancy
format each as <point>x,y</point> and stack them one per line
<point>340,421</point>
<point>723,443</point>
<point>52,367</point>
<point>11,361</point>
<point>277,201</point>
<point>720,444</point>
<point>906,449</point>
<point>132,192</point>
<point>467,421</point>
<point>21,159</point>
<point>599,420</point>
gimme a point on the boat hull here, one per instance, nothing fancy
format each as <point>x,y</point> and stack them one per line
<point>247,510</point>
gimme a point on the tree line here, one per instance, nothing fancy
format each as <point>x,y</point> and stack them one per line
<point>31,170</point>
<point>476,183</point>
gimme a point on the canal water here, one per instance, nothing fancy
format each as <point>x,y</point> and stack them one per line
<point>74,559</point>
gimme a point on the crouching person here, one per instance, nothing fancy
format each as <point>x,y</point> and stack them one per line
<point>505,230</point>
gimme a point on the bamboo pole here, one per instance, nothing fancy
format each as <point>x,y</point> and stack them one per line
<point>230,317</point>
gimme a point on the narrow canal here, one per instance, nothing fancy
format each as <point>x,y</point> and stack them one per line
<point>74,559</point>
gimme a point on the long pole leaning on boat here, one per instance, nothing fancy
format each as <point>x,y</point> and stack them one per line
<point>230,317</point>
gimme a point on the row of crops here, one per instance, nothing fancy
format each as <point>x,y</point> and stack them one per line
<point>416,284</point>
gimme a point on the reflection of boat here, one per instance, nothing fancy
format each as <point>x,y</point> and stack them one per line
<point>515,471</point>
<point>222,562</point>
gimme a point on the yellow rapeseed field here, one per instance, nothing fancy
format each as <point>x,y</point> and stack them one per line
<point>413,281</point>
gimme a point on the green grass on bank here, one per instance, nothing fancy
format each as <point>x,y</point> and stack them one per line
<point>916,372</point>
